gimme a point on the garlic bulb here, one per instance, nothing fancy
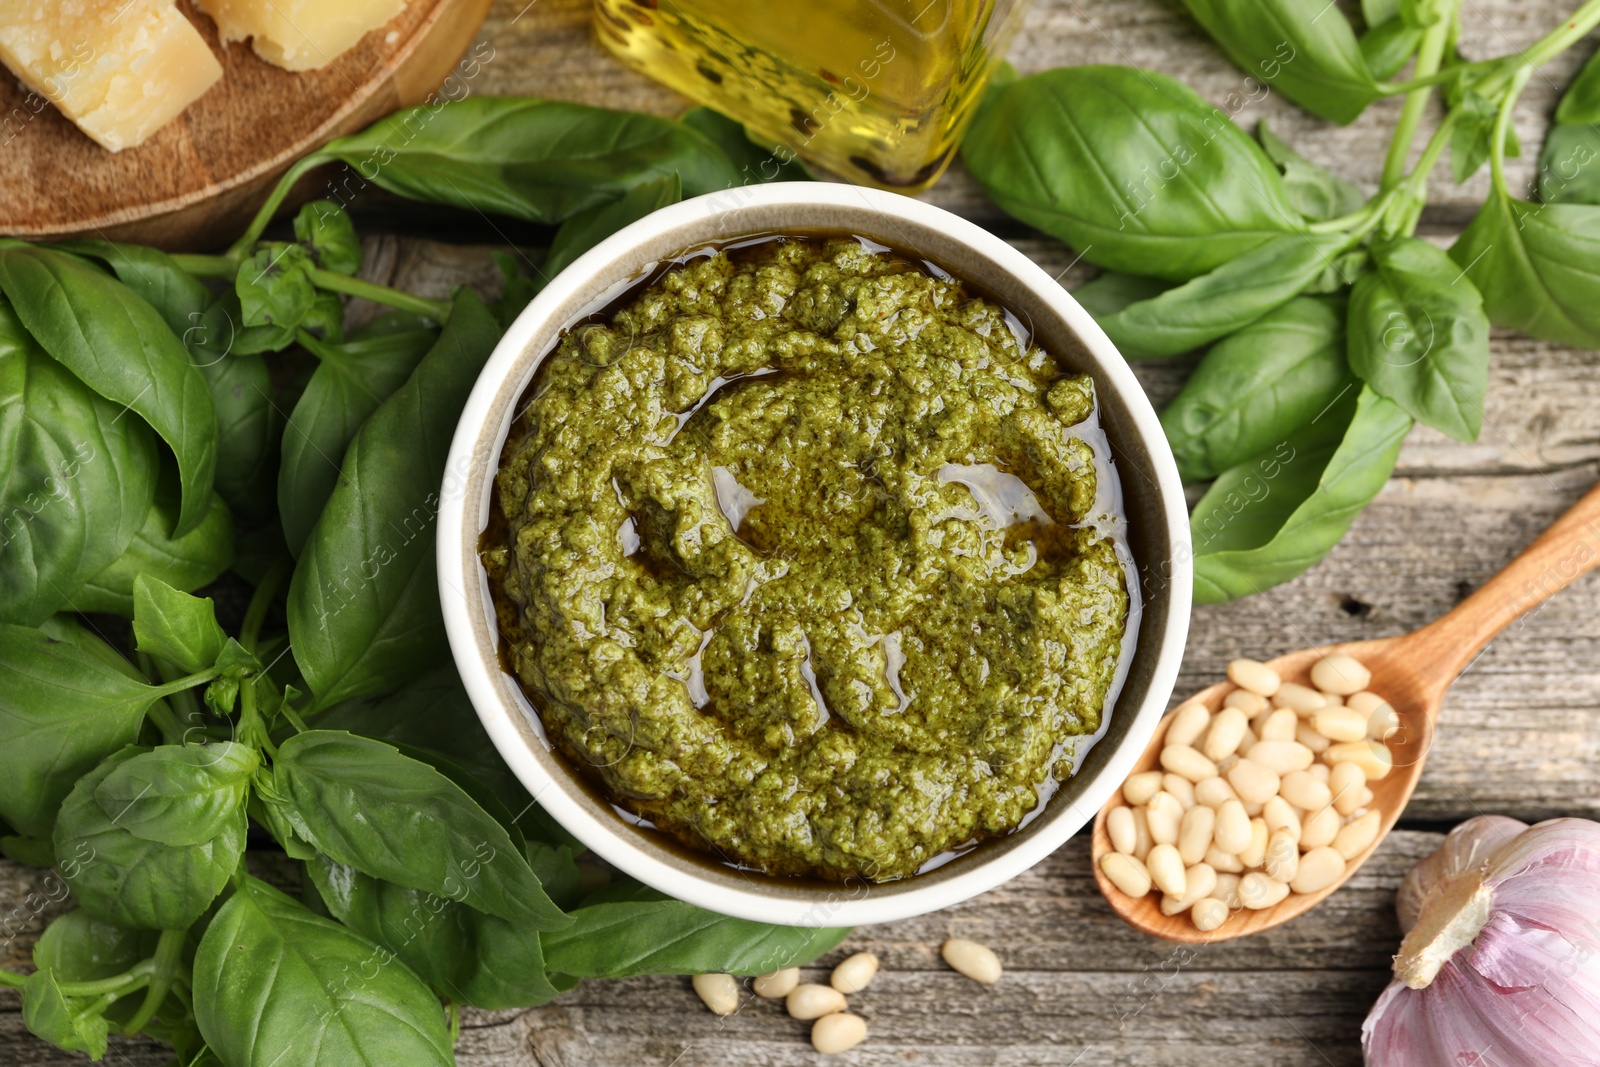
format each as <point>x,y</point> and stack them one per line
<point>1500,965</point>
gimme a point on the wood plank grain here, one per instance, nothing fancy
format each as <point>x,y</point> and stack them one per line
<point>1080,987</point>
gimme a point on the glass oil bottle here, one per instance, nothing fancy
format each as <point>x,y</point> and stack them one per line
<point>873,91</point>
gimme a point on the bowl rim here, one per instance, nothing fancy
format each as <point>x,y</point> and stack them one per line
<point>610,267</point>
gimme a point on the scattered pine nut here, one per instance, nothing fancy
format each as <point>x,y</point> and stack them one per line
<point>838,1032</point>
<point>719,991</point>
<point>977,962</point>
<point>776,986</point>
<point>855,973</point>
<point>812,1001</point>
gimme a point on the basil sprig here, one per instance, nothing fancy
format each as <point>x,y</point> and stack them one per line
<point>153,437</point>
<point>1327,328</point>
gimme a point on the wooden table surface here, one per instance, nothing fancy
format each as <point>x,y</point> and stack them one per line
<point>1520,733</point>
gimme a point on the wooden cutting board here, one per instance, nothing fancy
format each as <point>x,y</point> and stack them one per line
<point>195,184</point>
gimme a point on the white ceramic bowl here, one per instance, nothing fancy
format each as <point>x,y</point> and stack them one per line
<point>1153,498</point>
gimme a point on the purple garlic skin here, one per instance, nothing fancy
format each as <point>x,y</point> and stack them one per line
<point>1501,962</point>
<point>1467,847</point>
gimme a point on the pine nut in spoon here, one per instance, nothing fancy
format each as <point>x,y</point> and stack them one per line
<point>1401,696</point>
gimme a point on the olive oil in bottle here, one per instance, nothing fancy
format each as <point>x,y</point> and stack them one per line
<point>874,91</point>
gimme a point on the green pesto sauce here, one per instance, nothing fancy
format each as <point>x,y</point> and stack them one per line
<point>798,560</point>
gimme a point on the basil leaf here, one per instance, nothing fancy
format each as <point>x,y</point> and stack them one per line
<point>188,562</point>
<point>326,231</point>
<point>364,804</point>
<point>1580,104</point>
<point>1109,293</point>
<point>1229,298</point>
<point>249,428</point>
<point>1131,168</point>
<point>1470,140</point>
<point>557,868</point>
<point>274,285</point>
<point>64,707</point>
<point>275,984</point>
<point>1537,267</point>
<point>136,881</point>
<point>179,296</point>
<point>118,345</point>
<point>1340,272</point>
<point>1305,49</point>
<point>351,380</point>
<point>1419,336</point>
<point>77,947</point>
<point>179,794</point>
<point>585,230</point>
<point>1569,165</point>
<point>221,332</point>
<point>72,1024</point>
<point>1268,520</point>
<point>1315,192</point>
<point>363,604</point>
<point>754,163</point>
<point>240,384</point>
<point>1256,387</point>
<point>465,955</point>
<point>174,626</point>
<point>1388,46</point>
<point>68,457</point>
<point>433,714</point>
<point>539,160</point>
<point>28,851</point>
<point>665,936</point>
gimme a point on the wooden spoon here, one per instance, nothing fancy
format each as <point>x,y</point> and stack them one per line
<point>1412,672</point>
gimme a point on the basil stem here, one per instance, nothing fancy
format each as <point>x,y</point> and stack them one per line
<point>1429,54</point>
<point>437,310</point>
<point>166,964</point>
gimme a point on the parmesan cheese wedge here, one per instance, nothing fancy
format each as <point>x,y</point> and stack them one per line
<point>300,34</point>
<point>119,69</point>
